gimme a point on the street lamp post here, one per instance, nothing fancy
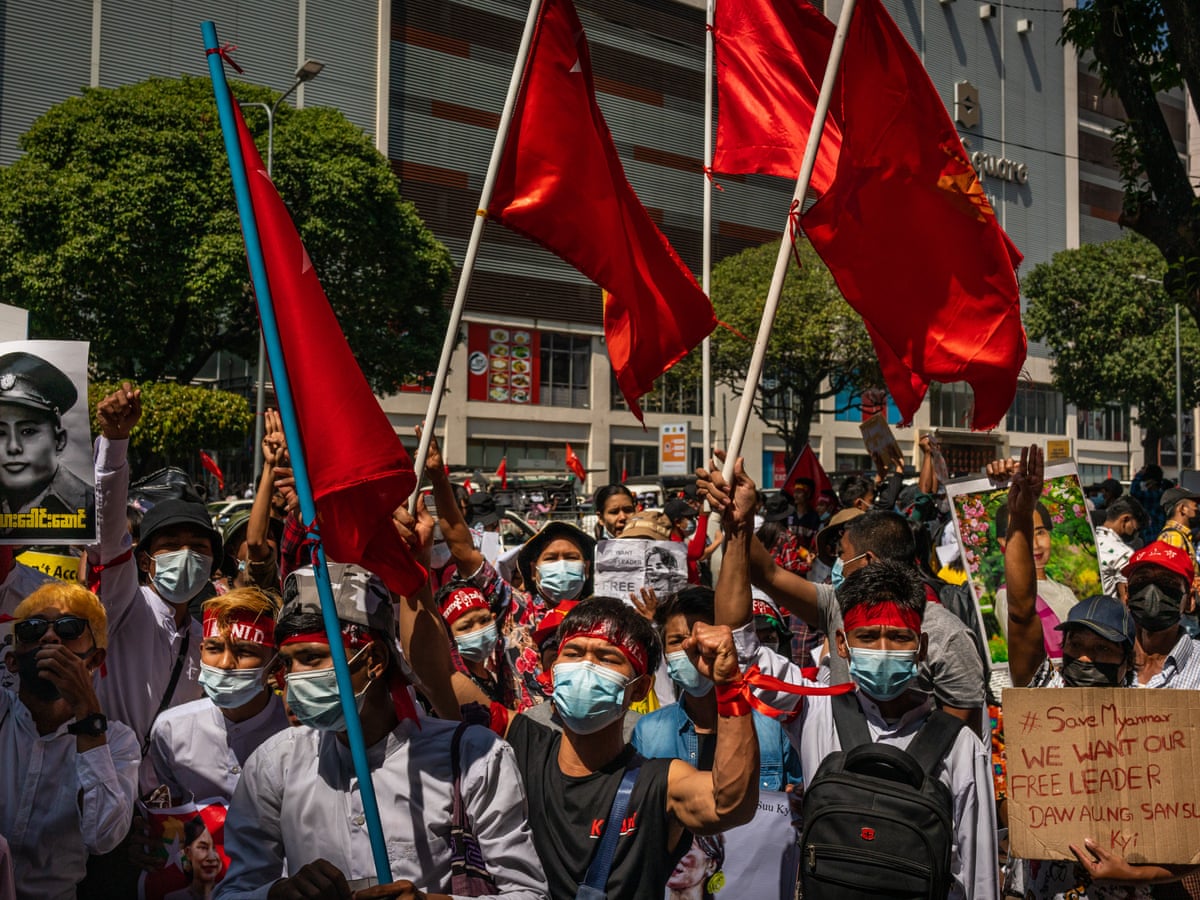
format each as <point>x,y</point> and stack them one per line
<point>307,72</point>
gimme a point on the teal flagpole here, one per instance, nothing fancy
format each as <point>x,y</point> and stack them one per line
<point>291,428</point>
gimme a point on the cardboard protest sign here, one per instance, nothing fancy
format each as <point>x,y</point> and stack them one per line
<point>625,566</point>
<point>880,441</point>
<point>758,859</point>
<point>191,838</point>
<point>1117,765</point>
<point>47,486</point>
<point>1064,549</point>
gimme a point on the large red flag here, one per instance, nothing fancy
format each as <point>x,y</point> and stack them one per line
<point>359,470</point>
<point>770,59</point>
<point>808,466</point>
<point>561,183</point>
<point>909,235</point>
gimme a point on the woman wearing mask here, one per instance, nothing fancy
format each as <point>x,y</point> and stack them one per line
<point>614,505</point>
<point>556,564</point>
<point>478,642</point>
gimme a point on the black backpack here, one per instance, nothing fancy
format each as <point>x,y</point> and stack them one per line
<point>877,821</point>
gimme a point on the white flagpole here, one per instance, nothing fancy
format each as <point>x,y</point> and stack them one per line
<point>754,374</point>
<point>468,267</point>
<point>706,443</point>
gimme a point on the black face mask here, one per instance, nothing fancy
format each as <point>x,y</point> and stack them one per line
<point>1153,609</point>
<point>1078,673</point>
<point>32,681</point>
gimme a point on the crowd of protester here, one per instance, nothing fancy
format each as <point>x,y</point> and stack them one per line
<point>528,738</point>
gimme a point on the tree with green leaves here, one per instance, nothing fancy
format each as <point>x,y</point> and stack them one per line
<point>818,348</point>
<point>118,226</point>
<point>178,421</point>
<point>1104,313</point>
<point>1138,49</point>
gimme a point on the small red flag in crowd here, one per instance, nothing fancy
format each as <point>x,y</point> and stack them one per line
<point>806,465</point>
<point>771,56</point>
<point>575,465</point>
<point>210,466</point>
<point>910,236</point>
<point>358,468</point>
<point>561,183</point>
<point>502,473</point>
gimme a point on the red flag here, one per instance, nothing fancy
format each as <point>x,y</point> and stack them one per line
<point>502,473</point>
<point>910,236</point>
<point>358,468</point>
<point>210,466</point>
<point>806,465</point>
<point>561,183</point>
<point>575,465</point>
<point>771,56</point>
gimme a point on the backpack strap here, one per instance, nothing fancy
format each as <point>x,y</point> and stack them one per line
<point>596,879</point>
<point>850,720</point>
<point>934,740</point>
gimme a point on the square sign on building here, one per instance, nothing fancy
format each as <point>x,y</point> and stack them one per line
<point>673,449</point>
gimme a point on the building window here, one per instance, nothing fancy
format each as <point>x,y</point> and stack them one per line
<point>1092,474</point>
<point>951,405</point>
<point>1037,409</point>
<point>1109,423</point>
<point>641,461</point>
<point>566,367</point>
<point>671,394</point>
<point>527,456</point>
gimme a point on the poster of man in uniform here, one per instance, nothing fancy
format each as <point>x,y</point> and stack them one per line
<point>47,487</point>
<point>1064,550</point>
<point>625,566</point>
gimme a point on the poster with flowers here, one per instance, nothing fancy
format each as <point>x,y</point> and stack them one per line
<point>1064,544</point>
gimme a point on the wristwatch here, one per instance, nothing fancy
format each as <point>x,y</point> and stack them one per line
<point>90,726</point>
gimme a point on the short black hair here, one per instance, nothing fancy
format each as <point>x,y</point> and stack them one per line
<point>886,534</point>
<point>619,619</point>
<point>314,623</point>
<point>1153,472</point>
<point>603,494</point>
<point>694,600</point>
<point>854,488</point>
<point>883,581</point>
<point>768,534</point>
<point>1126,506</point>
<point>1043,512</point>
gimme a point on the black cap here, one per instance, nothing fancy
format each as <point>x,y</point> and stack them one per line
<point>1106,616</point>
<point>171,513</point>
<point>30,381</point>
<point>679,509</point>
<point>778,507</point>
<point>481,509</point>
<point>1172,496</point>
<point>533,547</point>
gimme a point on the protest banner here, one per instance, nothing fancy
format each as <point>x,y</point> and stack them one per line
<point>190,838</point>
<point>1111,764</point>
<point>758,859</point>
<point>56,565</point>
<point>627,565</point>
<point>880,442</point>
<point>47,485</point>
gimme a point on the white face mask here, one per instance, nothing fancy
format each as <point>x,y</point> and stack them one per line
<point>231,688</point>
<point>179,575</point>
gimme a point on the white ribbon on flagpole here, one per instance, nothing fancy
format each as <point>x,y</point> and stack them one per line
<point>754,373</point>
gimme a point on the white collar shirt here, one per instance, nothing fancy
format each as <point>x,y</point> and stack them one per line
<point>58,805</point>
<point>298,799</point>
<point>199,753</point>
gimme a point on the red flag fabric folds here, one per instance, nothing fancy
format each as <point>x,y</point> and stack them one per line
<point>808,466</point>
<point>502,473</point>
<point>770,59</point>
<point>575,465</point>
<point>359,470</point>
<point>561,183</point>
<point>210,465</point>
<point>910,236</point>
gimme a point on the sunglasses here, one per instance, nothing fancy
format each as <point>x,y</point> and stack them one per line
<point>66,627</point>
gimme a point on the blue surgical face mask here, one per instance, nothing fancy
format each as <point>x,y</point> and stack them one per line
<point>837,577</point>
<point>882,674</point>
<point>179,575</point>
<point>477,646</point>
<point>686,675</point>
<point>588,696</point>
<point>313,697</point>
<point>561,579</point>
<point>231,688</point>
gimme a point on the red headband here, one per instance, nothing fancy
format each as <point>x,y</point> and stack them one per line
<point>633,652</point>
<point>461,601</point>
<point>356,636</point>
<point>243,626</point>
<point>887,614</point>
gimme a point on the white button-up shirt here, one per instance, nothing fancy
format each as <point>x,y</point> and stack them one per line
<point>298,798</point>
<point>200,754</point>
<point>143,640</point>
<point>58,805</point>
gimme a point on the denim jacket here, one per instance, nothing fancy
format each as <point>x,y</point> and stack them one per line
<point>668,733</point>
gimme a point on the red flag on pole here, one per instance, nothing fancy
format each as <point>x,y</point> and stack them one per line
<point>502,473</point>
<point>210,466</point>
<point>806,465</point>
<point>768,52</point>
<point>575,465</point>
<point>910,236</point>
<point>359,470</point>
<point>561,183</point>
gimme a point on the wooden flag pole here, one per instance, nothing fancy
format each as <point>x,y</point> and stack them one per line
<point>754,373</point>
<point>468,266</point>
